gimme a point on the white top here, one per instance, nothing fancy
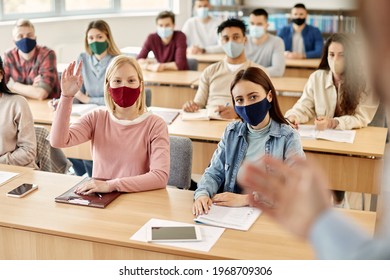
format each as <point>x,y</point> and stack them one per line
<point>319,98</point>
<point>202,35</point>
<point>269,54</point>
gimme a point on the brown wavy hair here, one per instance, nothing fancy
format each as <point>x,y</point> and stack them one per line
<point>353,82</point>
<point>258,76</point>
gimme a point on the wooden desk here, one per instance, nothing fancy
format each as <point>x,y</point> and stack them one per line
<point>171,89</point>
<point>35,227</point>
<point>353,167</point>
<point>301,67</point>
<point>206,59</point>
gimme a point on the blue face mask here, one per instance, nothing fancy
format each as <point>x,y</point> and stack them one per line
<point>164,32</point>
<point>202,13</point>
<point>233,49</point>
<point>254,113</point>
<point>256,31</point>
<point>26,45</point>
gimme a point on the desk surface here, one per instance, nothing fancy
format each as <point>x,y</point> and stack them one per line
<point>123,217</point>
<point>311,63</point>
<point>207,57</point>
<point>176,78</point>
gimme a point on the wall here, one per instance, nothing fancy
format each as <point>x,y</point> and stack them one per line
<point>66,35</point>
<point>310,4</point>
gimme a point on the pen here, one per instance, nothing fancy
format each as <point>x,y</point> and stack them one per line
<point>227,104</point>
<point>99,195</point>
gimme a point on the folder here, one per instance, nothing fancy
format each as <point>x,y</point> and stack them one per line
<point>98,200</point>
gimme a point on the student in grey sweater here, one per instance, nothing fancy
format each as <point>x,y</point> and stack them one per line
<point>264,48</point>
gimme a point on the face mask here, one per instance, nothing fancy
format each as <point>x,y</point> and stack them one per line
<point>256,31</point>
<point>233,49</point>
<point>202,13</point>
<point>26,45</point>
<point>164,32</point>
<point>124,96</point>
<point>299,21</point>
<point>98,47</point>
<point>336,66</point>
<point>254,113</point>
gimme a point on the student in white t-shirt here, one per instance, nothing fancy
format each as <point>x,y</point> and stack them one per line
<point>201,30</point>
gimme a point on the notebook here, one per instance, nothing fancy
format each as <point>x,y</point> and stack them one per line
<point>100,200</point>
<point>168,116</point>
<point>241,218</point>
<point>203,115</point>
<point>309,132</point>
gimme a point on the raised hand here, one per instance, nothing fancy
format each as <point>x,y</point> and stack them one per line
<point>71,82</point>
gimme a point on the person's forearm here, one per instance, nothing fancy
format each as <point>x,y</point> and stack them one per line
<point>30,91</point>
<point>170,66</point>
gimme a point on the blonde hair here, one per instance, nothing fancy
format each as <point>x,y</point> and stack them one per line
<point>22,23</point>
<point>102,26</point>
<point>115,63</point>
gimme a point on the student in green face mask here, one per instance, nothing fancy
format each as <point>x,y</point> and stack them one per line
<point>100,49</point>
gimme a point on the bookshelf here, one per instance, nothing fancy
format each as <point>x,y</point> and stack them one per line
<point>328,21</point>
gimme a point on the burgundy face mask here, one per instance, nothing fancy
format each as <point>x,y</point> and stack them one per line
<point>125,96</point>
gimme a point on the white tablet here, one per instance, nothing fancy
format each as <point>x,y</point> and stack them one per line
<point>173,233</point>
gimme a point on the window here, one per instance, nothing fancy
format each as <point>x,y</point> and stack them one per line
<point>15,9</point>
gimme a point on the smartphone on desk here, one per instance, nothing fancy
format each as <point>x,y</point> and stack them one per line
<point>22,190</point>
<point>173,233</point>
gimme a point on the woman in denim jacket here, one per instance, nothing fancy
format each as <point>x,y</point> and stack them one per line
<point>262,131</point>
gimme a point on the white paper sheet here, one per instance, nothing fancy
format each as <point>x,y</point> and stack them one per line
<point>210,235</point>
<point>308,131</point>
<point>6,176</point>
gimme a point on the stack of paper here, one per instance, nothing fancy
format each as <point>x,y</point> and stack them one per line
<point>240,218</point>
<point>309,131</point>
<point>168,115</point>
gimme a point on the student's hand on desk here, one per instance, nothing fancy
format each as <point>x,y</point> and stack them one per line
<point>71,82</point>
<point>293,121</point>
<point>83,98</point>
<point>190,106</point>
<point>201,205</point>
<point>93,186</point>
<point>155,67</point>
<point>231,199</point>
<point>53,103</point>
<point>226,112</point>
<point>322,123</point>
<point>195,50</point>
<point>295,196</point>
<point>294,55</point>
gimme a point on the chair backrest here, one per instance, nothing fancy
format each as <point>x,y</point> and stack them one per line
<point>181,162</point>
<point>380,119</point>
<point>192,64</point>
<point>49,158</point>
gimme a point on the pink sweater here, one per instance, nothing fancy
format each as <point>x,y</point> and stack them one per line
<point>131,156</point>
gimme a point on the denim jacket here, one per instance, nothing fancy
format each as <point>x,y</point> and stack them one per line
<point>283,143</point>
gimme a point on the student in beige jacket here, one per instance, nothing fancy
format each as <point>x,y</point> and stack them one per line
<point>335,95</point>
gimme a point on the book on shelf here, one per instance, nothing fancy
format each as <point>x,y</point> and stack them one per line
<point>309,132</point>
<point>240,218</point>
